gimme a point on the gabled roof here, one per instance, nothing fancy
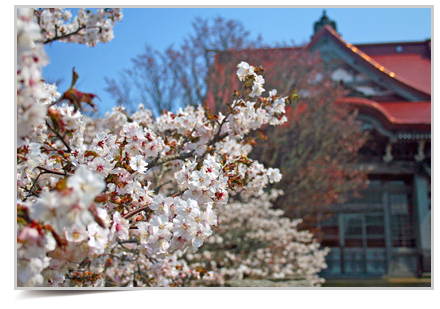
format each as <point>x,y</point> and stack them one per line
<point>391,68</point>
<point>402,66</point>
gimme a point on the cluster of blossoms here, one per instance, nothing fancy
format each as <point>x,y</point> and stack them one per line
<point>245,71</point>
<point>36,28</point>
<point>251,115</point>
<point>87,27</point>
<point>31,93</point>
<point>117,201</point>
<point>255,241</point>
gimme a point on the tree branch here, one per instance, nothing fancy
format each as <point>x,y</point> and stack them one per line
<point>160,161</point>
<point>30,192</point>
<point>60,137</point>
<point>136,211</point>
<point>156,190</point>
<point>64,36</point>
<point>48,170</point>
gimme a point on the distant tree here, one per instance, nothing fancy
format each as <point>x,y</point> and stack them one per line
<point>255,241</point>
<point>148,82</point>
<point>317,149</point>
<point>179,76</point>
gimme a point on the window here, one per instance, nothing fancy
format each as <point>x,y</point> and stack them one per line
<point>375,230</point>
<point>401,226</point>
<point>330,231</point>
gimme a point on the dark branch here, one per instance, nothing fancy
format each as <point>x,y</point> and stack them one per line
<point>59,136</point>
<point>136,211</point>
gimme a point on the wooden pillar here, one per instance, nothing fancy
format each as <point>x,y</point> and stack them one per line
<point>364,243</point>
<point>341,243</point>
<point>423,215</point>
<point>388,236</point>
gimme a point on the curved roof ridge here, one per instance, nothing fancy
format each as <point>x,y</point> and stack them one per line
<point>364,57</point>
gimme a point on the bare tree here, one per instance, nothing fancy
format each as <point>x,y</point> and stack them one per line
<point>317,149</point>
<point>149,82</point>
<point>179,76</point>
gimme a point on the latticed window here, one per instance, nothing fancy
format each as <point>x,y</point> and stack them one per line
<point>402,231</point>
<point>375,230</point>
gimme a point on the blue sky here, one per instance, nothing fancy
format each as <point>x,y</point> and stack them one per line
<point>162,27</point>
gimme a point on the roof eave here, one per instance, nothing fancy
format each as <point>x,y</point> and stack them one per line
<point>365,60</point>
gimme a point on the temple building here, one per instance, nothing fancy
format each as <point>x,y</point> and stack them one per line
<point>387,232</point>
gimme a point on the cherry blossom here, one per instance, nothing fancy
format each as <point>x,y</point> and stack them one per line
<point>119,200</point>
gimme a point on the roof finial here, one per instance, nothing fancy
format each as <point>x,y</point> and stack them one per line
<point>324,21</point>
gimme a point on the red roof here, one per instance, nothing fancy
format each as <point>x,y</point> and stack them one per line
<point>409,112</point>
<point>397,114</point>
<point>408,70</point>
<point>413,69</point>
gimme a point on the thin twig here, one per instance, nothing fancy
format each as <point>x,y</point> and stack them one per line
<point>35,181</point>
<point>128,241</point>
<point>60,137</point>
<point>63,36</point>
<point>48,170</point>
<point>30,193</point>
<point>166,159</point>
<point>178,193</point>
<point>132,213</point>
<point>187,138</point>
<point>126,249</point>
<point>156,190</point>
